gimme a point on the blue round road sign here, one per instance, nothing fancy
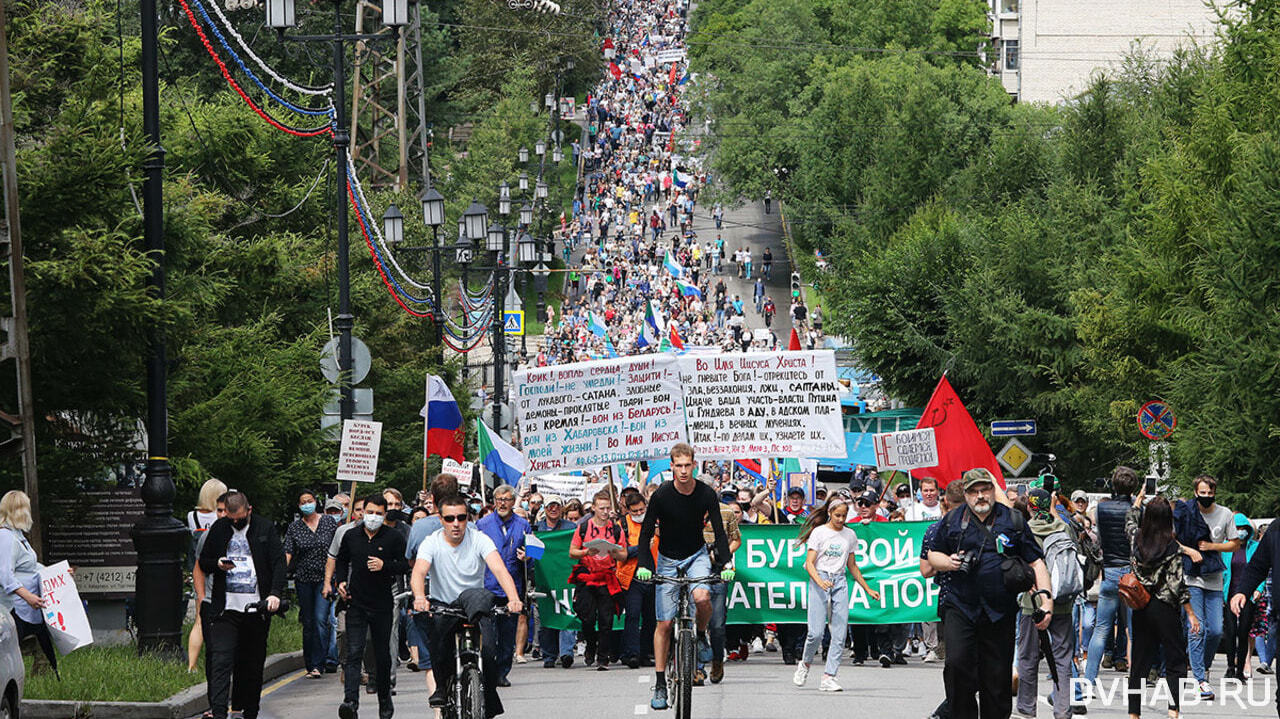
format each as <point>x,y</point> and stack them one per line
<point>1156,421</point>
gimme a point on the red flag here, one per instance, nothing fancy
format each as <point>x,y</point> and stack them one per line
<point>961,446</point>
<point>615,70</point>
<point>794,344</point>
<point>675,338</point>
<point>672,79</point>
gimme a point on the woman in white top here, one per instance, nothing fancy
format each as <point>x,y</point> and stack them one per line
<point>831,547</point>
<point>20,572</point>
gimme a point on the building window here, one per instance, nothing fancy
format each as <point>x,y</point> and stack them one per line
<point>1010,54</point>
<point>1008,6</point>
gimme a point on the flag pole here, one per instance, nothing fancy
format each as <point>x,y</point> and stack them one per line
<point>426,433</point>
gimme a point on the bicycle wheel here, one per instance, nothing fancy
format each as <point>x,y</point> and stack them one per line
<point>472,693</point>
<point>684,674</point>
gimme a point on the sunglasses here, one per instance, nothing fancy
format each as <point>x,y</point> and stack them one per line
<point>451,518</point>
<point>864,503</point>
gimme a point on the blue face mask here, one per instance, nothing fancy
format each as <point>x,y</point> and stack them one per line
<point>1244,534</point>
<point>308,508</point>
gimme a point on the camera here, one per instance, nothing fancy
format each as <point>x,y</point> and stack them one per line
<point>966,562</point>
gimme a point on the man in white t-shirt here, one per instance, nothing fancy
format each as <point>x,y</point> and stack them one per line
<point>929,506</point>
<point>456,557</point>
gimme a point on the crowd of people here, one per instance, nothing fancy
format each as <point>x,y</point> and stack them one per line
<point>633,222</point>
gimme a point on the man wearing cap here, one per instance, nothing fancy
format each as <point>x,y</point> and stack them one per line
<point>1080,502</point>
<point>793,510</point>
<point>868,506</point>
<point>978,612</point>
<point>555,643</point>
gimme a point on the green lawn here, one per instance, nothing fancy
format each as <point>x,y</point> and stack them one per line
<point>98,673</point>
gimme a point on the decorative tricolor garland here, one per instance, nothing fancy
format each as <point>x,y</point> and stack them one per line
<point>478,308</point>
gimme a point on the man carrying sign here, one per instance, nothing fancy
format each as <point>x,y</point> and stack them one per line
<point>678,509</point>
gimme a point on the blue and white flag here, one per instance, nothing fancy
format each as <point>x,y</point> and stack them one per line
<point>669,263</point>
<point>649,331</point>
<point>596,324</point>
<point>688,289</point>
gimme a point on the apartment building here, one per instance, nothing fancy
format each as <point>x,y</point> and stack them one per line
<point>1048,49</point>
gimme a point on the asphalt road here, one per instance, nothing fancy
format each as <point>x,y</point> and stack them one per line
<point>760,688</point>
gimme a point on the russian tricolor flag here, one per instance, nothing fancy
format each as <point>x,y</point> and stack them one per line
<point>444,433</point>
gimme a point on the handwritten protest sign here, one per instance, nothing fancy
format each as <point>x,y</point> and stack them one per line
<point>911,449</point>
<point>358,458</point>
<point>64,612</point>
<point>780,404</point>
<point>590,414</point>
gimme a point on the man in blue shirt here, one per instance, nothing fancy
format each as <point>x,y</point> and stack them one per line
<point>507,530</point>
<point>977,611</point>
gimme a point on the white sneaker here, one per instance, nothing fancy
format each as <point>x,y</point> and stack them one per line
<point>931,656</point>
<point>757,646</point>
<point>829,685</point>
<point>801,675</point>
<point>1206,690</point>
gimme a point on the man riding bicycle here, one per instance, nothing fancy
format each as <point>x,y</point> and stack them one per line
<point>456,556</point>
<point>678,510</point>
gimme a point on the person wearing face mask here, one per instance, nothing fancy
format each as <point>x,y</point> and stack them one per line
<point>338,637</point>
<point>638,597</point>
<point>306,545</point>
<point>243,554</point>
<point>397,520</point>
<point>1203,581</point>
<point>1235,629</point>
<point>373,556</point>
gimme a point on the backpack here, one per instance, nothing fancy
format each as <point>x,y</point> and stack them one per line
<point>1091,553</point>
<point>1063,559</point>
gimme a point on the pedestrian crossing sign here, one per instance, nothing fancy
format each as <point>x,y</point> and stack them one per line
<point>513,322</point>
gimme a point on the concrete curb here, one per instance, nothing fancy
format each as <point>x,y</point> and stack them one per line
<point>188,702</point>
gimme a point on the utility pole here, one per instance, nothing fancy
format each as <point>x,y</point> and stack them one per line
<point>18,345</point>
<point>158,538</point>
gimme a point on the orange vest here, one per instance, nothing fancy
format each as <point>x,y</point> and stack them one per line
<point>627,569</point>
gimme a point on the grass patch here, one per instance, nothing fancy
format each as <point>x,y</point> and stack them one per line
<point>118,674</point>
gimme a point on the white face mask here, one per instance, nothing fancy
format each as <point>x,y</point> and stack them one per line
<point>373,521</point>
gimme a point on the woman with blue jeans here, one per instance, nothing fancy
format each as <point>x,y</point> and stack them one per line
<point>306,547</point>
<point>831,548</point>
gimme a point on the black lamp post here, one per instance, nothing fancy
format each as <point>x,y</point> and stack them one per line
<point>158,536</point>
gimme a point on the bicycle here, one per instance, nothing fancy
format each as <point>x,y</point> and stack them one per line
<point>466,690</point>
<point>680,681</point>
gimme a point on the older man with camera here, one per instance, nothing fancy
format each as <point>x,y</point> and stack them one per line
<point>992,557</point>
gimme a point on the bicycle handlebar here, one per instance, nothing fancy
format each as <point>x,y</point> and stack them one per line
<point>448,610</point>
<point>709,579</point>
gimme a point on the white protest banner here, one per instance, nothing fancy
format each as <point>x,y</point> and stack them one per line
<point>64,612</point>
<point>454,468</point>
<point>675,55</point>
<point>590,414</point>
<point>358,459</point>
<point>912,449</point>
<point>772,404</point>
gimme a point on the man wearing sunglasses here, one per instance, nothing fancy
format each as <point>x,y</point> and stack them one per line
<point>456,557</point>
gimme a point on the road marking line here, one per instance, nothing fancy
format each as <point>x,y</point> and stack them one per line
<point>641,710</point>
<point>291,678</point>
<point>642,679</point>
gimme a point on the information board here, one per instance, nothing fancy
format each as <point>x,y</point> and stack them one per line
<point>91,530</point>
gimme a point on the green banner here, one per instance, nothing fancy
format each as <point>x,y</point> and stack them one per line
<point>772,585</point>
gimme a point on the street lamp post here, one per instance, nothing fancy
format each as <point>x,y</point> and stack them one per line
<point>281,16</point>
<point>157,537</point>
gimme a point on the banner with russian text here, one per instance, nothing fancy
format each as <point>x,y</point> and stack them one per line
<point>772,586</point>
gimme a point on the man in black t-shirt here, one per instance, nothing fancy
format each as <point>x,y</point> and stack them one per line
<point>679,508</point>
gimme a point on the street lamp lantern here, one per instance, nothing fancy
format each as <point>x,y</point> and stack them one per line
<point>504,199</point>
<point>496,238</point>
<point>526,215</point>
<point>528,248</point>
<point>540,148</point>
<point>524,182</point>
<point>476,218</point>
<point>432,207</point>
<point>549,100</point>
<point>557,154</point>
<point>524,155</point>
<point>393,225</point>
<point>540,191</point>
<point>462,229</point>
<point>570,63</point>
<point>463,252</point>
<point>395,13</point>
<point>280,14</point>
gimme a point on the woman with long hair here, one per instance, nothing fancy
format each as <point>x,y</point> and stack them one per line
<point>20,574</point>
<point>1156,561</point>
<point>198,522</point>
<point>831,547</point>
